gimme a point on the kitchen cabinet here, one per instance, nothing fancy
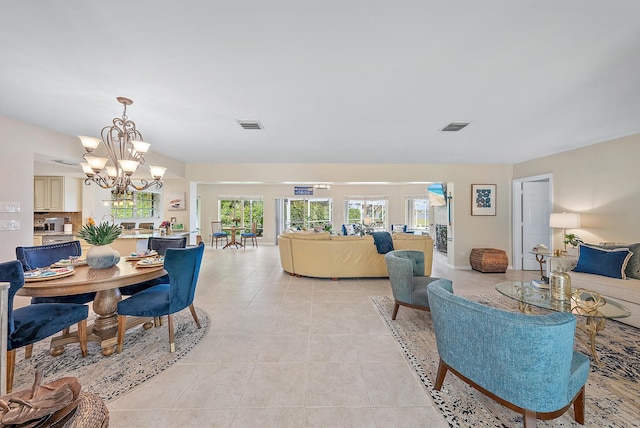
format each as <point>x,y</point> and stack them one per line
<point>58,194</point>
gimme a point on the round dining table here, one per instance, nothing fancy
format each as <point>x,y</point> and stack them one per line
<point>106,283</point>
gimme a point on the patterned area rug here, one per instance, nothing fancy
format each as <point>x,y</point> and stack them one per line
<point>145,354</point>
<point>612,391</point>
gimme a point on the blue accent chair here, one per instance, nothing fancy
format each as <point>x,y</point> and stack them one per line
<point>46,255</point>
<point>32,323</point>
<point>217,233</point>
<point>253,235</point>
<point>408,283</point>
<point>160,245</point>
<point>183,265</point>
<point>524,362</point>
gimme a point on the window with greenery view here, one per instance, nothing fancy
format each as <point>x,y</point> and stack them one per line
<point>367,211</point>
<point>241,211</point>
<point>132,204</point>
<point>307,213</point>
<point>418,212</point>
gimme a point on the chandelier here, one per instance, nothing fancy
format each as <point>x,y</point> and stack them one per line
<point>125,150</point>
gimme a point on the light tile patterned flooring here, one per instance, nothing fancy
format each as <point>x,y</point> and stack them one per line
<point>290,352</point>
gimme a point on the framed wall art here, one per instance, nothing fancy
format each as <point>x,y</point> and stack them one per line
<point>175,201</point>
<point>483,199</point>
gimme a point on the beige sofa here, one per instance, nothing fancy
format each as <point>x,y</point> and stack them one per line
<point>321,255</point>
<point>624,291</point>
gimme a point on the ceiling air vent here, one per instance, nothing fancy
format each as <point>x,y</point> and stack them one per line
<point>455,126</point>
<point>250,124</point>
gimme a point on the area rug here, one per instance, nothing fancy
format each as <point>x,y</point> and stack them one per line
<point>612,390</point>
<point>145,354</point>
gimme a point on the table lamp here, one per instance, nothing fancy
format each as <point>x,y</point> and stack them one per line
<point>565,221</point>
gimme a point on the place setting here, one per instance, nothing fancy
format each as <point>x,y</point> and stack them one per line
<point>71,261</point>
<point>46,274</point>
<point>150,262</point>
<point>140,256</point>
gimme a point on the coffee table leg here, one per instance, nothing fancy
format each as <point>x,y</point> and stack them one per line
<point>591,327</point>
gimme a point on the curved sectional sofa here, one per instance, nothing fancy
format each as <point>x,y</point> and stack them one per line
<point>321,255</point>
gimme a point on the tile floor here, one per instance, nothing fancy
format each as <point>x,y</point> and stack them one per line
<point>290,352</point>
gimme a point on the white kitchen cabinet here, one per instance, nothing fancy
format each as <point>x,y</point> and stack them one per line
<point>58,194</point>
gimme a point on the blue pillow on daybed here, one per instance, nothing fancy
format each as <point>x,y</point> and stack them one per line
<point>599,261</point>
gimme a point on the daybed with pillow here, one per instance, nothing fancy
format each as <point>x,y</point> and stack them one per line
<point>611,271</point>
<point>324,256</point>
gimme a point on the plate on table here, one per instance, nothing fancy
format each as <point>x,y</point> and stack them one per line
<point>151,262</point>
<point>140,256</point>
<point>48,274</point>
<point>69,262</point>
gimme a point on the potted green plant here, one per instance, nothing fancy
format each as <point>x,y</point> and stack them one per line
<point>573,240</point>
<point>100,255</point>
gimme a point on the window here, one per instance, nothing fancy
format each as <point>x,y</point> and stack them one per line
<point>418,212</point>
<point>307,213</point>
<point>370,212</point>
<point>241,210</point>
<point>130,204</point>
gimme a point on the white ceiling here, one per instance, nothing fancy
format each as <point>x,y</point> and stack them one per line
<point>331,81</point>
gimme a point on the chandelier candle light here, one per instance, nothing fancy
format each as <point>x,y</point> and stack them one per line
<point>125,152</point>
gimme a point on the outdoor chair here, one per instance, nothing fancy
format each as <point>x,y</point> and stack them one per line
<point>183,265</point>
<point>524,362</point>
<point>32,323</point>
<point>250,235</point>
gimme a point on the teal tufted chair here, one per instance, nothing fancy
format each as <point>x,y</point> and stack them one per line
<point>524,362</point>
<point>408,283</point>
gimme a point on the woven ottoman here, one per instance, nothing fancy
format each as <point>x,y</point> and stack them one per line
<point>488,260</point>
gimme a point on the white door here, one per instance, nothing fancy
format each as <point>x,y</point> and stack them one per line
<point>536,208</point>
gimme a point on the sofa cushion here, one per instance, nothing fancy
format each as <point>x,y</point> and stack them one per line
<point>599,261</point>
<point>633,266</point>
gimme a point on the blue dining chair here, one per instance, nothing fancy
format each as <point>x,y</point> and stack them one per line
<point>160,245</point>
<point>32,323</point>
<point>183,265</point>
<point>250,235</point>
<point>46,255</point>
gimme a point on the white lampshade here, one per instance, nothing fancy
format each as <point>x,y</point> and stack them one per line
<point>128,166</point>
<point>157,172</point>
<point>564,220</point>
<point>96,163</point>
<point>87,169</point>
<point>89,143</point>
<point>112,172</point>
<point>140,146</point>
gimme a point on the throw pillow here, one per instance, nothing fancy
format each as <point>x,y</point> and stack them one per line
<point>633,267</point>
<point>383,242</point>
<point>349,229</point>
<point>599,261</point>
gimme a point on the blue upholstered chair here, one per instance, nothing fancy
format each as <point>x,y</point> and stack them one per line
<point>253,235</point>
<point>160,245</point>
<point>46,255</point>
<point>32,323</point>
<point>183,265</point>
<point>217,233</point>
<point>524,362</point>
<point>408,283</point>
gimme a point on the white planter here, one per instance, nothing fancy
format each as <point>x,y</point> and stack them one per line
<point>102,257</point>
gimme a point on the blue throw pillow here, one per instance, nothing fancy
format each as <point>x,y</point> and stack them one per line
<point>599,261</point>
<point>383,242</point>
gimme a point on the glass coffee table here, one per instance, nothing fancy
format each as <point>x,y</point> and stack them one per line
<point>528,295</point>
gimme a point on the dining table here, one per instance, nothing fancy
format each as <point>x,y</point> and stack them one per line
<point>106,283</point>
<point>232,230</point>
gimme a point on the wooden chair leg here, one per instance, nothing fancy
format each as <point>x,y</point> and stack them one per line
<point>122,326</point>
<point>194,315</point>
<point>442,372</point>
<point>82,336</point>
<point>28,351</point>
<point>578,407</point>
<point>11,365</point>
<point>395,311</point>
<point>172,342</point>
<point>529,418</point>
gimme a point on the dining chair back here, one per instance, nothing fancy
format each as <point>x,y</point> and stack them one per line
<point>217,233</point>
<point>45,255</point>
<point>253,235</point>
<point>183,265</point>
<point>146,226</point>
<point>128,225</point>
<point>161,244</point>
<point>32,323</point>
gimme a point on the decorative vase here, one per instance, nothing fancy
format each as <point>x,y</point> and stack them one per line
<point>560,285</point>
<point>102,257</point>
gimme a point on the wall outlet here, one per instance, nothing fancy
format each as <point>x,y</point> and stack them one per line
<point>462,253</point>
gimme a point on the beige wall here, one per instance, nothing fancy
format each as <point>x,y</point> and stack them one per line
<point>602,182</point>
